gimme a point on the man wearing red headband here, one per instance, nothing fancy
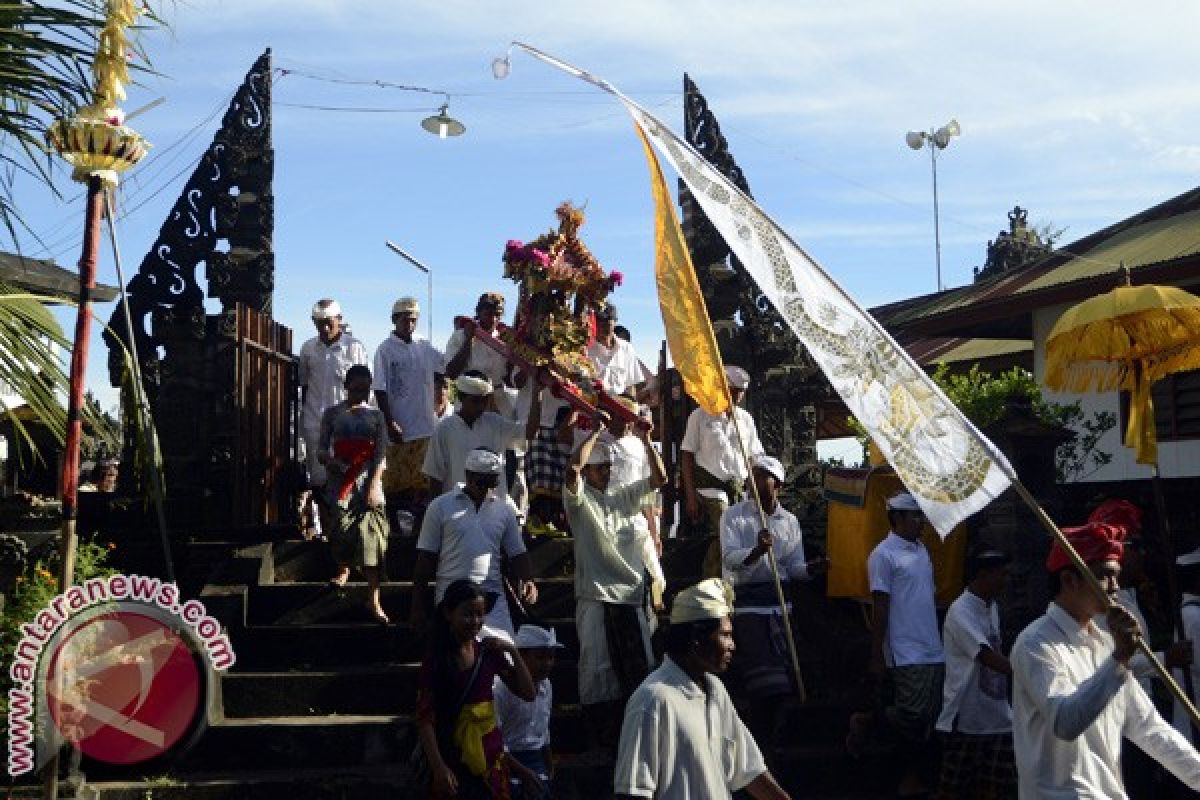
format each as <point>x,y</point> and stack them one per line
<point>1074,697</point>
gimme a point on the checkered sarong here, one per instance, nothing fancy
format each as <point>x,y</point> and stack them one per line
<point>977,767</point>
<point>546,462</point>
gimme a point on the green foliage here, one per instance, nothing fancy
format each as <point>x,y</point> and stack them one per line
<point>33,590</point>
<point>983,398</point>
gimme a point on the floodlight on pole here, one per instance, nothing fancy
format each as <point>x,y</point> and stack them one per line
<point>935,140</point>
<point>395,248</point>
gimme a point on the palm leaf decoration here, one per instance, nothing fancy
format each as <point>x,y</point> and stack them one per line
<point>31,363</point>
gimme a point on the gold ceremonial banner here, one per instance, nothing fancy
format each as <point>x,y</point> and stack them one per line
<point>685,317</point>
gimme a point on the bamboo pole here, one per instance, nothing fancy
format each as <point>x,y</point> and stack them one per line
<point>1086,572</point>
<point>139,397</point>
<point>771,560</point>
<point>67,540</point>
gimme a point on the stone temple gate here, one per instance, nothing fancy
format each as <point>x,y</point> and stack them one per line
<point>222,386</point>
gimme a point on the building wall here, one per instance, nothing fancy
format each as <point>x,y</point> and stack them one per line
<point>1179,459</point>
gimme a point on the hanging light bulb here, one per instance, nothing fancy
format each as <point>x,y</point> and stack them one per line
<point>501,66</point>
<point>443,124</point>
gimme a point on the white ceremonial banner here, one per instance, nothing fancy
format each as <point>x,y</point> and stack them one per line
<point>948,465</point>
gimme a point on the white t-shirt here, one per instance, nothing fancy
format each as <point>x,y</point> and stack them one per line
<point>526,726</point>
<point>617,369</point>
<point>482,358</point>
<point>974,697</point>
<point>468,543</point>
<point>453,439</point>
<point>610,559</point>
<point>680,741</point>
<point>405,371</point>
<point>713,440</point>
<point>321,369</point>
<point>903,571</point>
<point>740,525</point>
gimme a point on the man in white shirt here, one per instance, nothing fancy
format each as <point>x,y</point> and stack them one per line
<point>471,427</point>
<point>615,360</point>
<point>1074,697</point>
<point>763,663</point>
<point>610,579</point>
<point>712,467</point>
<point>405,366</point>
<point>321,372</point>
<point>1189,582</point>
<point>464,351</point>
<point>463,536</point>
<point>905,642</point>
<point>976,719</point>
<point>682,738</point>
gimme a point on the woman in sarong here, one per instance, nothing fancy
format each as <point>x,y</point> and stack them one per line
<point>352,447</point>
<point>456,718</point>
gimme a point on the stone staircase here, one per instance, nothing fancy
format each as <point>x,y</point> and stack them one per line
<point>320,701</point>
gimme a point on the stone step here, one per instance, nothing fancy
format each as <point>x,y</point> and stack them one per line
<point>306,603</point>
<point>324,646</point>
<point>380,689</point>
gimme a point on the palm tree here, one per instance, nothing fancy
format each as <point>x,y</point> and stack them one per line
<point>46,56</point>
<point>46,53</point>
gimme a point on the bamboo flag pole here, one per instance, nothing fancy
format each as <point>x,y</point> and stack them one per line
<point>762,515</point>
<point>1086,572</point>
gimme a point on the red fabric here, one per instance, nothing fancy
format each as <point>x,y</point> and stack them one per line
<point>356,453</point>
<point>1121,514</point>
<point>1094,542</point>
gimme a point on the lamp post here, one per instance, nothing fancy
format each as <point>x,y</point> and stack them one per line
<point>935,140</point>
<point>395,248</point>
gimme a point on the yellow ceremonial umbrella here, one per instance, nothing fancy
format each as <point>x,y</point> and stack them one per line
<point>1126,339</point>
<point>1129,338</point>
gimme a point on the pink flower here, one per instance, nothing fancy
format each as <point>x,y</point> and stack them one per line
<point>616,278</point>
<point>542,258</point>
<point>513,248</point>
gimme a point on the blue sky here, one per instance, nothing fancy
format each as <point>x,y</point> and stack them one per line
<point>1081,112</point>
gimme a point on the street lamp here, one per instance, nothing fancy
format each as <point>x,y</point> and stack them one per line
<point>935,140</point>
<point>442,124</point>
<point>395,248</point>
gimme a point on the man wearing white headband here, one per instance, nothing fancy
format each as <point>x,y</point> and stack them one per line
<point>405,366</point>
<point>464,535</point>
<point>906,645</point>
<point>610,578</point>
<point>471,427</point>
<point>712,466</point>
<point>763,664</point>
<point>321,372</point>
<point>682,737</point>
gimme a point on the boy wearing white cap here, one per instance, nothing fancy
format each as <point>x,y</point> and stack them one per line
<point>464,534</point>
<point>682,737</point>
<point>905,642</point>
<point>321,372</point>
<point>712,467</point>
<point>405,365</point>
<point>526,725</point>
<point>763,663</point>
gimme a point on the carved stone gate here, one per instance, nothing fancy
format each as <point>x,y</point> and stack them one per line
<point>222,386</point>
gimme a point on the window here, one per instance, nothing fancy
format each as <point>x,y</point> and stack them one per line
<point>1176,407</point>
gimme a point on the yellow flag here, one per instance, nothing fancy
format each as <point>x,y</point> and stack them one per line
<point>685,318</point>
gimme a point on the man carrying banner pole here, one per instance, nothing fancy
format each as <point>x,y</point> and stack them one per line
<point>694,350</point>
